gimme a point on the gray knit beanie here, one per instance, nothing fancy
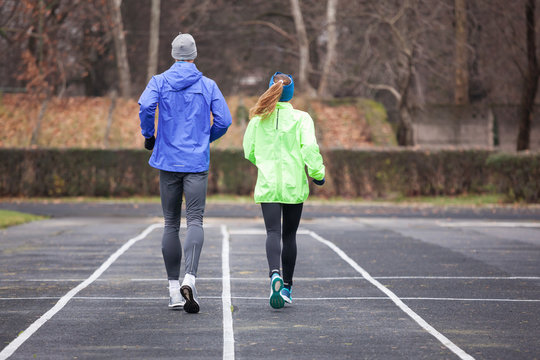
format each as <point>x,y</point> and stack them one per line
<point>183,47</point>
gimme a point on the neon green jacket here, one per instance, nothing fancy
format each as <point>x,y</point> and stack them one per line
<point>281,146</point>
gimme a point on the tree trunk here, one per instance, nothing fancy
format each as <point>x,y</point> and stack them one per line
<point>109,120</point>
<point>530,85</point>
<point>461,90</point>
<point>330,47</point>
<point>34,140</point>
<point>405,131</point>
<point>41,22</point>
<point>120,47</point>
<point>303,45</point>
<point>153,43</point>
<point>405,134</point>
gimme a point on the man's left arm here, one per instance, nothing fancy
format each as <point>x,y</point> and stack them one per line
<point>147,113</point>
<point>221,113</point>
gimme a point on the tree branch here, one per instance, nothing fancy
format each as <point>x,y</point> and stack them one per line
<point>389,88</point>
<point>399,14</point>
<point>271,26</point>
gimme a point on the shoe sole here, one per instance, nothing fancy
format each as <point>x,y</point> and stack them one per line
<point>191,306</point>
<point>176,306</point>
<point>276,301</point>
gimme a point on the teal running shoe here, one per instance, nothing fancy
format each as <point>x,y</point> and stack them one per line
<point>276,301</point>
<point>286,295</point>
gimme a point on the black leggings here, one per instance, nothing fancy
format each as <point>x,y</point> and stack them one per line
<point>272,220</point>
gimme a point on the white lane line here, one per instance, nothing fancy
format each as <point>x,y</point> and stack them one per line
<point>260,232</point>
<point>228,332</point>
<point>489,224</point>
<point>255,279</point>
<point>297,278</point>
<point>350,278</point>
<point>385,298</point>
<point>430,329</point>
<point>42,280</point>
<point>460,277</point>
<point>25,335</point>
<point>470,299</point>
<point>31,298</point>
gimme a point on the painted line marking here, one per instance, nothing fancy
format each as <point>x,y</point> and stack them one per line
<point>298,278</point>
<point>430,329</point>
<point>25,335</point>
<point>228,332</point>
<point>489,224</point>
<point>261,232</point>
<point>362,278</point>
<point>460,277</point>
<point>142,298</point>
<point>386,299</point>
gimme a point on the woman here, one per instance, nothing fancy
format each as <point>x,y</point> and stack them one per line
<point>281,141</point>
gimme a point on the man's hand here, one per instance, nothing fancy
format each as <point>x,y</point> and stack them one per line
<point>149,143</point>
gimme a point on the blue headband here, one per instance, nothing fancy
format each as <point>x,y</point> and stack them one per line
<point>288,90</point>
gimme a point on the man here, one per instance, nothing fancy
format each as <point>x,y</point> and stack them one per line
<point>181,152</point>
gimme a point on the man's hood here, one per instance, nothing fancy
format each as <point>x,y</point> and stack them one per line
<point>182,75</point>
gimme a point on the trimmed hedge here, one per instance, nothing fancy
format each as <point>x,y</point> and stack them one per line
<point>76,172</point>
<point>516,175</point>
<point>369,174</point>
<point>377,174</point>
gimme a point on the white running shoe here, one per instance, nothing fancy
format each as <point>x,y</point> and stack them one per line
<point>176,301</point>
<point>189,292</point>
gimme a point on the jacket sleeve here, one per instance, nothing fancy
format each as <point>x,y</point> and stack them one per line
<point>148,103</point>
<point>221,113</point>
<point>310,149</point>
<point>249,141</point>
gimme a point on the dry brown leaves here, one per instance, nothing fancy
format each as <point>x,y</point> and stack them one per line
<point>80,122</point>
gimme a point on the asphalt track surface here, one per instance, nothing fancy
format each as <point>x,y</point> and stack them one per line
<point>367,286</point>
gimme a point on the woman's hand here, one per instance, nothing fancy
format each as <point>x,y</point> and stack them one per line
<point>319,182</point>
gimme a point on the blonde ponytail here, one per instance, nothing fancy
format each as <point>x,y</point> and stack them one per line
<point>267,102</point>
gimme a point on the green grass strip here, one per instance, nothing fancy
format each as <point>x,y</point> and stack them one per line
<point>459,200</point>
<point>10,218</point>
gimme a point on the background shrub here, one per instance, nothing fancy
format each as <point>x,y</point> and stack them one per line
<point>516,175</point>
<point>350,173</point>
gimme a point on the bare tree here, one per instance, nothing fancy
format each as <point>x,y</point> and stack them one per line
<point>331,43</point>
<point>153,42</point>
<point>461,90</point>
<point>303,49</point>
<point>530,81</point>
<point>393,49</point>
<point>120,47</point>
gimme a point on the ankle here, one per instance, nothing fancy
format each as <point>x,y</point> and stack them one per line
<point>190,279</point>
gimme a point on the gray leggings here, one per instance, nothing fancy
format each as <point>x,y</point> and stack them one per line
<point>172,185</point>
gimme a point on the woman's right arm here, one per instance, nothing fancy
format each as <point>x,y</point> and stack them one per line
<point>249,141</point>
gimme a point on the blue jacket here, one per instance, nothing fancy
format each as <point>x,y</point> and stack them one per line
<point>185,98</point>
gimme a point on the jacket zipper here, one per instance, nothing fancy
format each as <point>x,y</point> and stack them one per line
<point>278,172</point>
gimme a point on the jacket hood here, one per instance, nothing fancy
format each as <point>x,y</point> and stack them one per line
<point>182,75</point>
